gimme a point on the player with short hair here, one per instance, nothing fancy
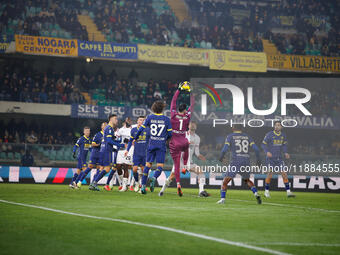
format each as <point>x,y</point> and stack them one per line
<point>160,132</point>
<point>108,145</point>
<point>274,145</point>
<point>84,145</point>
<point>139,150</point>
<point>124,163</point>
<point>96,159</point>
<point>180,122</point>
<point>109,184</point>
<point>194,144</point>
<point>239,144</point>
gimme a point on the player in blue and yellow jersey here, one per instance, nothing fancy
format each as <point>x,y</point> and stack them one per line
<point>95,157</point>
<point>108,145</point>
<point>274,146</point>
<point>160,132</point>
<point>139,149</point>
<point>84,145</point>
<point>239,144</point>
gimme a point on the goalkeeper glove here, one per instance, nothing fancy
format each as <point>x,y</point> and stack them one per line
<point>184,86</point>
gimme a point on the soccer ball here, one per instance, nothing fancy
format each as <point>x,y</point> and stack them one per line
<point>185,86</point>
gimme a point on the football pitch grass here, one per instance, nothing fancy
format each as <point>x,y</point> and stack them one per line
<point>53,219</point>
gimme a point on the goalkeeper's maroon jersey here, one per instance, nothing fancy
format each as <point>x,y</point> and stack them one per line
<point>180,123</point>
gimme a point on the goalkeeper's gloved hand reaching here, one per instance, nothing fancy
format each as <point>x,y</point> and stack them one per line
<point>186,86</point>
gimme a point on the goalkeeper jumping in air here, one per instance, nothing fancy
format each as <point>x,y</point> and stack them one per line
<point>180,124</point>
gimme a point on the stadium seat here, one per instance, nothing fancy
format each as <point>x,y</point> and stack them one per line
<point>17,155</point>
<point>3,155</point>
<point>10,155</point>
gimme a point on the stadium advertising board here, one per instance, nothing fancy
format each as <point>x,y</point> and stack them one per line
<point>238,61</point>
<point>46,46</point>
<point>304,63</point>
<point>5,40</point>
<point>102,112</point>
<point>17,174</point>
<point>173,55</point>
<point>219,117</point>
<point>107,50</point>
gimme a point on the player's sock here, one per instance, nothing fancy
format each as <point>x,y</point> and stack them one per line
<point>166,184</point>
<point>84,174</point>
<point>120,179</point>
<point>125,182</point>
<point>135,175</point>
<point>254,190</point>
<point>100,175</point>
<point>109,178</point>
<point>145,175</point>
<point>266,186</point>
<point>223,193</point>
<point>287,187</point>
<point>132,181</point>
<point>201,185</point>
<point>75,176</point>
<point>79,177</point>
<point>158,172</point>
<point>96,174</point>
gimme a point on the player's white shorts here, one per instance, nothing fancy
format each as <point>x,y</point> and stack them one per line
<point>121,159</point>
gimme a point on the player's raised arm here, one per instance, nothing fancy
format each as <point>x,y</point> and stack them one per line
<point>225,148</point>
<point>173,108</point>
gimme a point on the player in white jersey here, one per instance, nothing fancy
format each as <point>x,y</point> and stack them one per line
<point>124,163</point>
<point>194,144</point>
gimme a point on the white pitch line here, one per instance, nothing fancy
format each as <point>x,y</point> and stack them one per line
<point>299,244</point>
<point>292,206</point>
<point>210,238</point>
<point>276,204</point>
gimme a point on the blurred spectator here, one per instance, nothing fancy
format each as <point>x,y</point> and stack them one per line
<point>31,138</point>
<point>27,159</point>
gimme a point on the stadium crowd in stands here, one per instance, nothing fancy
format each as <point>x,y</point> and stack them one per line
<point>26,85</point>
<point>41,17</point>
<point>21,132</point>
<point>295,26</point>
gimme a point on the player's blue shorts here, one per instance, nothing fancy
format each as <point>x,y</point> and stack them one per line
<point>238,168</point>
<point>277,165</point>
<point>274,162</point>
<point>96,158</point>
<point>81,163</point>
<point>107,158</point>
<point>156,153</point>
<point>138,160</point>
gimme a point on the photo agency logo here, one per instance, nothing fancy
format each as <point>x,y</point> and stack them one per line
<point>295,96</point>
